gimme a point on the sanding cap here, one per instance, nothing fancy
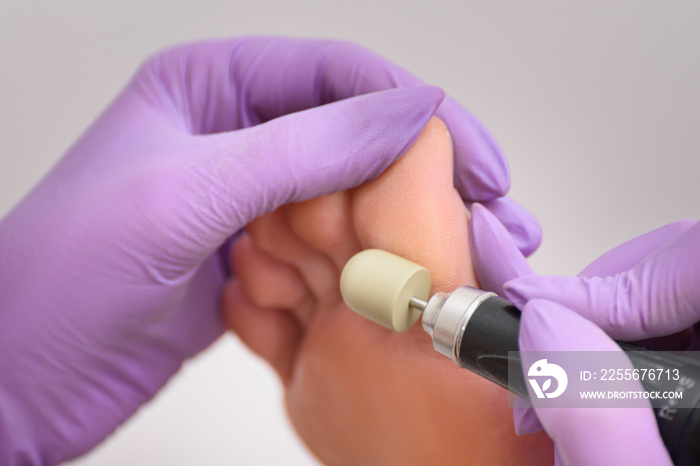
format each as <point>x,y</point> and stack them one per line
<point>379,285</point>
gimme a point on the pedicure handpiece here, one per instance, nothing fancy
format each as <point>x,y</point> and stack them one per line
<point>479,331</point>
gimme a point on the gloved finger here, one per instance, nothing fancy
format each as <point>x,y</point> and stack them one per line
<point>549,326</point>
<point>523,227</point>
<point>657,297</point>
<point>593,436</point>
<point>481,171</point>
<point>307,154</point>
<point>525,418</point>
<point>496,257</point>
<point>558,460</point>
<point>630,253</point>
<point>267,77</point>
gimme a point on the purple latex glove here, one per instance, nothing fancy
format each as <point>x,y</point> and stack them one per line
<point>110,268</point>
<point>642,289</point>
<point>595,436</point>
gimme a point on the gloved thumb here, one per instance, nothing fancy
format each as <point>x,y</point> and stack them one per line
<point>314,152</point>
<point>656,297</point>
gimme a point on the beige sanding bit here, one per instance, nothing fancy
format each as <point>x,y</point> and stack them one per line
<point>385,288</point>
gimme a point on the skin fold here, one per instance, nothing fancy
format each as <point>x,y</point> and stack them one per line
<point>358,393</point>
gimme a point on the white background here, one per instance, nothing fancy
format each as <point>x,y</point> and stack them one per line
<point>596,105</point>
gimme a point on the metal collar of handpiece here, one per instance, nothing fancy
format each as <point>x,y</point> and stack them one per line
<point>447,315</point>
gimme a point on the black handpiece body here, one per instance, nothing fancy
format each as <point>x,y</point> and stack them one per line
<point>491,332</point>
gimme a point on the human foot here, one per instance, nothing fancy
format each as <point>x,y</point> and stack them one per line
<point>358,393</point>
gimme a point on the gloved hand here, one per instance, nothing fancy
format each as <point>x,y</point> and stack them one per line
<point>110,268</point>
<point>642,289</point>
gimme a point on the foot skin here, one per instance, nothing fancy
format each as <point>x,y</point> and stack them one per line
<point>356,392</point>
